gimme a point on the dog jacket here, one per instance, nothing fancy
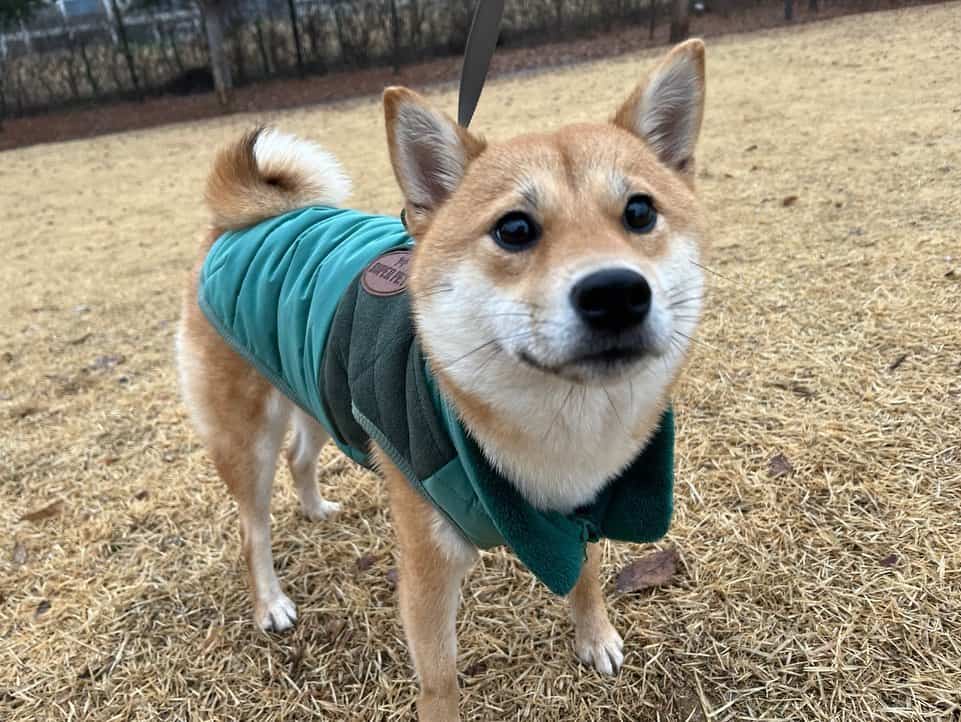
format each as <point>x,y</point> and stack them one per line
<point>316,301</point>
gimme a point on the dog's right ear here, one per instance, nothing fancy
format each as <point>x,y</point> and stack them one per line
<point>428,150</point>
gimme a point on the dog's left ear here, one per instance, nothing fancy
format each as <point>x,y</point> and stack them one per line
<point>666,109</point>
<point>428,150</point>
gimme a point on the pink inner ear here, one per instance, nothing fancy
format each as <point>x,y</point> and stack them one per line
<point>670,113</point>
<point>430,174</point>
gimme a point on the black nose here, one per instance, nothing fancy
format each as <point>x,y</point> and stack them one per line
<point>615,299</point>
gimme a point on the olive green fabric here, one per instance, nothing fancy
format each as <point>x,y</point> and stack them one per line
<point>286,295</point>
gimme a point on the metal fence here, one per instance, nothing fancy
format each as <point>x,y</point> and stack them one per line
<point>82,51</point>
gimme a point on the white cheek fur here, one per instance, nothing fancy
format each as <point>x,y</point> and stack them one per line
<point>680,298</point>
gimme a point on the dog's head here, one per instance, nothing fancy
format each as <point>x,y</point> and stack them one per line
<point>571,253</point>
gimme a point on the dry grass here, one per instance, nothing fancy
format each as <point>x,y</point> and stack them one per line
<point>830,590</point>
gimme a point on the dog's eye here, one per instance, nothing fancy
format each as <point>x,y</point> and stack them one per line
<point>639,214</point>
<point>516,231</point>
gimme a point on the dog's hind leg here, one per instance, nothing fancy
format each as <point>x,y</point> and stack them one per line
<point>242,420</point>
<point>248,464</point>
<point>309,439</point>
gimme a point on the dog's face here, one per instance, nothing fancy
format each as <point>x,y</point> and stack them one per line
<point>573,253</point>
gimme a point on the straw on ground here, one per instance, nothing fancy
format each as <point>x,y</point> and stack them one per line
<point>818,495</point>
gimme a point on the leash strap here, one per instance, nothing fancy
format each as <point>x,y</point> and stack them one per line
<point>481,42</point>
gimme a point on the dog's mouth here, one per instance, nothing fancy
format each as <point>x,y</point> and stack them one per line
<point>603,363</point>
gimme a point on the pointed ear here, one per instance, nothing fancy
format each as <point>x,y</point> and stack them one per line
<point>428,150</point>
<point>666,109</point>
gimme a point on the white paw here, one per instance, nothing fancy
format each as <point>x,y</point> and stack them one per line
<point>320,509</point>
<point>276,615</point>
<point>603,649</point>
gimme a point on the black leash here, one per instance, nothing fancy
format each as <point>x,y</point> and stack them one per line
<point>481,43</point>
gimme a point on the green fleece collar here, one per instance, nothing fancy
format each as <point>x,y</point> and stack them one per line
<point>636,507</point>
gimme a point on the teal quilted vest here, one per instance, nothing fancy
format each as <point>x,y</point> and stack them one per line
<point>287,295</point>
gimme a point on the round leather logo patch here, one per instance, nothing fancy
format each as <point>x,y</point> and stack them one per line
<point>387,274</point>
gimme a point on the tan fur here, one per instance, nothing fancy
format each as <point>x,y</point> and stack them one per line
<point>626,116</point>
<point>240,188</point>
<point>230,398</point>
<point>417,217</point>
<point>429,594</point>
<point>574,229</point>
<point>575,182</point>
<point>577,225</point>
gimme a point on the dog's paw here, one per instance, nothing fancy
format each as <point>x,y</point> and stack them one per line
<point>601,648</point>
<point>320,509</point>
<point>277,614</point>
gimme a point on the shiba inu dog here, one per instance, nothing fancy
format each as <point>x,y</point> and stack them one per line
<point>550,284</point>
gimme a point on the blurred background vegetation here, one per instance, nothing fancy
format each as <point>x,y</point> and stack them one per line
<point>61,53</point>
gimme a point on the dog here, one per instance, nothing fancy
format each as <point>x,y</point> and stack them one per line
<point>550,285</point>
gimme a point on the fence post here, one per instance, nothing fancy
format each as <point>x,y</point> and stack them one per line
<point>125,45</point>
<point>213,16</point>
<point>297,47</point>
<point>108,9</point>
<point>27,38</point>
<point>680,22</point>
<point>395,35</point>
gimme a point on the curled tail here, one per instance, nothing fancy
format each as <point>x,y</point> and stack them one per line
<point>268,172</point>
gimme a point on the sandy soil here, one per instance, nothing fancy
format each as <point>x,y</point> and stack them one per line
<point>819,466</point>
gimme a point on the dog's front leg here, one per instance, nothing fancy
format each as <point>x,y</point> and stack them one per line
<point>595,640</point>
<point>433,562</point>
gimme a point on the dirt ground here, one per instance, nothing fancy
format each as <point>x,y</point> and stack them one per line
<point>819,436</point>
